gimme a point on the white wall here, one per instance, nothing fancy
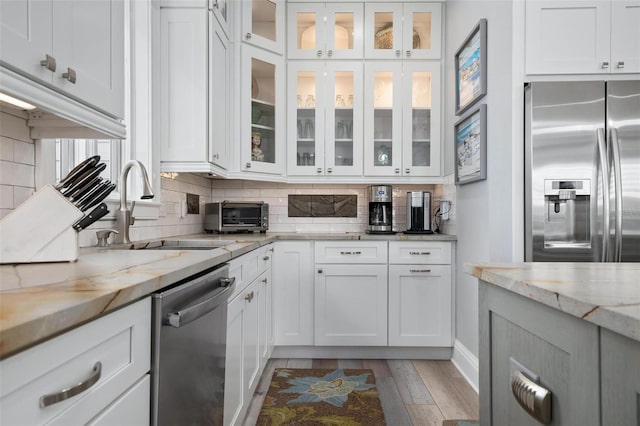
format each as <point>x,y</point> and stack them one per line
<point>485,209</point>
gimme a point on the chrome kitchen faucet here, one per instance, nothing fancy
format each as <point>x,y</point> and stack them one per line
<point>124,216</point>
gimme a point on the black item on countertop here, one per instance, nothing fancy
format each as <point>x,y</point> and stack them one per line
<point>78,170</point>
<point>94,215</point>
<point>380,232</point>
<point>99,196</point>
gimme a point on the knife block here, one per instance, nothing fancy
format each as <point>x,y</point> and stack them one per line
<point>40,229</point>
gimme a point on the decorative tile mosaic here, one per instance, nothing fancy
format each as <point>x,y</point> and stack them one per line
<point>323,206</point>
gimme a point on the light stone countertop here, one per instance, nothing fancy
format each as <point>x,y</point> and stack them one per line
<point>41,300</point>
<point>605,294</point>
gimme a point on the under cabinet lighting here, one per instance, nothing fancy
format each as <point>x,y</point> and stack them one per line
<point>15,102</point>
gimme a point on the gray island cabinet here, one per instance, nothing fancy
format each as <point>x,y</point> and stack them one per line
<point>572,331</point>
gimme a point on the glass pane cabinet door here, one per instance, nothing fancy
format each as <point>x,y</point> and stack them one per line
<point>421,150</point>
<point>383,30</point>
<point>263,74</point>
<point>384,114</point>
<point>344,118</point>
<point>306,129</point>
<point>263,23</point>
<point>422,39</point>
<point>308,42</point>
<point>344,26</point>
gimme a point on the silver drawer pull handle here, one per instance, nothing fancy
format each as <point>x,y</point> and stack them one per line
<point>350,252</point>
<point>49,63</point>
<point>70,75</point>
<point>265,258</point>
<point>535,399</point>
<point>420,253</point>
<point>419,270</point>
<point>64,394</point>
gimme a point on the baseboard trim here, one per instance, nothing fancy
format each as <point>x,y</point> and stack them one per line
<point>467,363</point>
<point>361,352</point>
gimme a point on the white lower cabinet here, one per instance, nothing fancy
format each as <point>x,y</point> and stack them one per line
<point>420,293</point>
<point>249,332</point>
<point>109,357</point>
<point>293,293</point>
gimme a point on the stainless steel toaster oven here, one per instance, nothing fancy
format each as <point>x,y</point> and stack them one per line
<point>236,216</point>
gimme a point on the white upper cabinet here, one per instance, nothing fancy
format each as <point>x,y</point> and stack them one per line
<point>325,118</point>
<point>324,31</point>
<point>582,37</point>
<point>403,30</point>
<point>262,94</point>
<point>402,105</point>
<point>263,24</point>
<point>76,47</point>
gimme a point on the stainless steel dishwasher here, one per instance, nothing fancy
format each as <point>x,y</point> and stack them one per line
<point>188,350</point>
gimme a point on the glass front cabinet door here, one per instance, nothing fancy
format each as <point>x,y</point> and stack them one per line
<point>325,118</point>
<point>319,31</point>
<point>402,105</point>
<point>262,115</point>
<point>263,24</point>
<point>402,30</point>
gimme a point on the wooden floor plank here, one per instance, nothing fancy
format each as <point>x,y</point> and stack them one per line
<point>425,415</point>
<point>299,363</point>
<point>324,363</point>
<point>469,396</point>
<point>410,385</point>
<point>350,363</point>
<point>379,366</point>
<point>444,393</point>
<point>395,412</point>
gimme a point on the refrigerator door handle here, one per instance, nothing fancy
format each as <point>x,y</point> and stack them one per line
<point>617,181</point>
<point>604,165</point>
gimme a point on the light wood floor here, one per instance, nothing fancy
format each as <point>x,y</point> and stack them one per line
<point>417,392</point>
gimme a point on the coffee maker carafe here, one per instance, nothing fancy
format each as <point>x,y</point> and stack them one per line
<point>418,212</point>
<point>380,207</point>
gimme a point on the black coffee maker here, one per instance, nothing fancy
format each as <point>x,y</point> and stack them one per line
<point>418,212</point>
<point>380,208</point>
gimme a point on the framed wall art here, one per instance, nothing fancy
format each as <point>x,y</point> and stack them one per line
<point>471,68</point>
<point>470,134</point>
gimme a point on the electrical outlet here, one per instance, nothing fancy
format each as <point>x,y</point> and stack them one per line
<point>445,206</point>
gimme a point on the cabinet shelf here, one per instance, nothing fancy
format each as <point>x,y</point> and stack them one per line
<point>344,140</point>
<point>421,140</point>
<point>306,140</point>
<point>262,127</point>
<point>262,103</point>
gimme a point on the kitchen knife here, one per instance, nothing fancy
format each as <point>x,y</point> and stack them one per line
<point>79,202</point>
<point>81,192</point>
<point>77,171</point>
<point>84,179</point>
<point>98,197</point>
<point>95,214</point>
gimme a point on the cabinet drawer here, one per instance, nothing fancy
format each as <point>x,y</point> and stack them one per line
<point>420,252</point>
<point>247,267</point>
<point>120,342</point>
<point>351,252</point>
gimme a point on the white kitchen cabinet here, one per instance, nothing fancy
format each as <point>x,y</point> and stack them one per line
<point>325,30</point>
<point>194,90</point>
<point>262,24</point>
<point>420,293</point>
<point>403,30</point>
<point>585,37</point>
<point>132,408</point>
<point>111,355</point>
<point>74,47</point>
<point>403,106</point>
<point>293,293</point>
<point>262,115</point>
<point>325,118</point>
<point>350,293</point>
<point>248,331</point>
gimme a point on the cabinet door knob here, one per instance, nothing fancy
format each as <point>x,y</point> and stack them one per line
<point>264,281</point>
<point>319,53</point>
<point>248,36</point>
<point>408,53</point>
<point>398,53</point>
<point>397,170</point>
<point>319,170</point>
<point>620,65</point>
<point>330,52</point>
<point>216,156</point>
<point>248,165</point>
<point>70,75</point>
<point>329,170</point>
<point>265,258</point>
<point>605,65</point>
<point>319,271</point>
<point>407,170</point>
<point>49,63</point>
<point>249,297</point>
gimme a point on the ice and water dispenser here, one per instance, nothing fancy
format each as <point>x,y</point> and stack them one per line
<point>567,213</point>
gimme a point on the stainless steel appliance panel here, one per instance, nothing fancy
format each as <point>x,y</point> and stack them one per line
<point>561,125</point>
<point>623,109</point>
<point>189,349</point>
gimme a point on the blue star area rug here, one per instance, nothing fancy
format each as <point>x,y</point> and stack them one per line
<point>322,397</point>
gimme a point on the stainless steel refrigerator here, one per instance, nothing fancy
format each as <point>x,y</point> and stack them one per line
<point>582,171</point>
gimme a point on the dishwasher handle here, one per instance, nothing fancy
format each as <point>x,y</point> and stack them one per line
<point>192,313</point>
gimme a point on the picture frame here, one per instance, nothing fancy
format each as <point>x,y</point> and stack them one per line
<point>470,136</point>
<point>471,68</point>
